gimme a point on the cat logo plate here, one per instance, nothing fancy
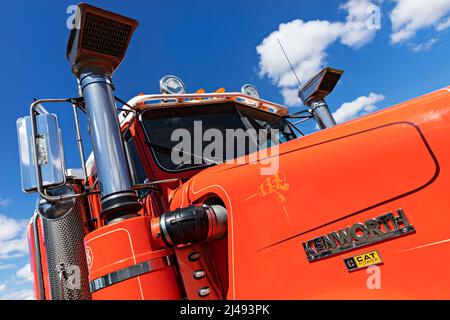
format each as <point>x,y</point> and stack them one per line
<point>363,260</point>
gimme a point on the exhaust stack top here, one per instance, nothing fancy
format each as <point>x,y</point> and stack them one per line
<point>313,95</point>
<point>95,49</point>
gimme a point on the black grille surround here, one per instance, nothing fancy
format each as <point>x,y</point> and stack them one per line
<point>105,36</point>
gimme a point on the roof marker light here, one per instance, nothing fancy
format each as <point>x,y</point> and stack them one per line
<point>250,90</point>
<point>172,85</point>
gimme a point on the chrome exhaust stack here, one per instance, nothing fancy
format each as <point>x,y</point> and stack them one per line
<point>313,95</point>
<point>95,50</point>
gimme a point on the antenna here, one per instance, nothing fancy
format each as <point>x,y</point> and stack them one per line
<point>290,64</point>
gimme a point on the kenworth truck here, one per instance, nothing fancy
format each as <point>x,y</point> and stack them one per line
<point>359,210</point>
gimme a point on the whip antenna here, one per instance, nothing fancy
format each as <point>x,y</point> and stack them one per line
<point>290,64</point>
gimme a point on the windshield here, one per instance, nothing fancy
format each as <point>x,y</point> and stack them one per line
<point>188,137</point>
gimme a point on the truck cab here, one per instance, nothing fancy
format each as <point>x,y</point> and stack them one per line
<point>220,195</point>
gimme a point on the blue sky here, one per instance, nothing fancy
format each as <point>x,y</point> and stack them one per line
<point>210,44</point>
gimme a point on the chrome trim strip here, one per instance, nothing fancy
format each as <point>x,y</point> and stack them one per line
<point>250,101</point>
<point>163,227</point>
<point>130,272</point>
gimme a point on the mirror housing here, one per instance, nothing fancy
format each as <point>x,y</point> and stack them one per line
<point>48,144</point>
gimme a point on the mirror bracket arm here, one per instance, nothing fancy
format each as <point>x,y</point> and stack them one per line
<point>41,190</point>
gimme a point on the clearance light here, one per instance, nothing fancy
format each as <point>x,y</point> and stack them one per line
<point>199,91</point>
<point>172,85</point>
<point>250,90</point>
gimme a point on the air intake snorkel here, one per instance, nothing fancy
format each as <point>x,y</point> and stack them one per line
<point>94,51</point>
<point>313,95</point>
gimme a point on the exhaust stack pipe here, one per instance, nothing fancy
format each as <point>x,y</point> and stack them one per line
<point>94,51</point>
<point>313,95</point>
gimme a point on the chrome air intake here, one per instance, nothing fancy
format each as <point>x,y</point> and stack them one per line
<point>64,232</point>
<point>313,95</point>
<point>94,51</point>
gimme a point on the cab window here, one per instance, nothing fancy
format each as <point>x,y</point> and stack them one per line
<point>138,174</point>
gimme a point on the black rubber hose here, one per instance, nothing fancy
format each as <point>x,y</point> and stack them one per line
<point>185,225</point>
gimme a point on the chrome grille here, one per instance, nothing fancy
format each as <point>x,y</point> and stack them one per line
<point>105,35</point>
<point>64,243</point>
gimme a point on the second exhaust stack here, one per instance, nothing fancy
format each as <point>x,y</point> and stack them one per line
<point>94,51</point>
<point>313,95</point>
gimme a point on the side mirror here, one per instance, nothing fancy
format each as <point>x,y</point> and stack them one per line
<point>50,156</point>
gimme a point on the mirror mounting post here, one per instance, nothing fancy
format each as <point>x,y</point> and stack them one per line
<point>76,104</point>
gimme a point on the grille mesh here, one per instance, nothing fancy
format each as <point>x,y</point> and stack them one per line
<point>64,245</point>
<point>105,35</point>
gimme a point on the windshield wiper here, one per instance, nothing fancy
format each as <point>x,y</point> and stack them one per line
<point>169,150</point>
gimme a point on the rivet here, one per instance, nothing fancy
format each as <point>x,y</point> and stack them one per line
<point>194,256</point>
<point>198,274</point>
<point>203,292</point>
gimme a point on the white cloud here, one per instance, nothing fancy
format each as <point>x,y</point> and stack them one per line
<point>9,228</point>
<point>7,266</point>
<point>358,107</point>
<point>14,244</point>
<point>13,237</point>
<point>360,24</point>
<point>22,294</point>
<point>306,42</point>
<point>4,202</point>
<point>443,25</point>
<point>425,46</point>
<point>409,16</point>
<point>24,273</point>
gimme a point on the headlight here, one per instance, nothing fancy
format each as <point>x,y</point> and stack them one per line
<point>172,85</point>
<point>250,90</point>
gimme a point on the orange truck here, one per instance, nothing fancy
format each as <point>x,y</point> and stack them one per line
<point>164,208</point>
